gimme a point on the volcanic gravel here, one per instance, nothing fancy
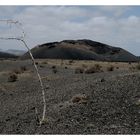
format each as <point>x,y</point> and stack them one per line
<point>99,103</point>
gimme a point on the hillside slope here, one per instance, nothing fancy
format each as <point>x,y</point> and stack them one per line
<point>81,50</point>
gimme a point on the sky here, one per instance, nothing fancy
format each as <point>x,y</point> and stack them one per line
<point>118,26</point>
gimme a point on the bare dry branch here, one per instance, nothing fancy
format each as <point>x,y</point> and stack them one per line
<point>19,25</point>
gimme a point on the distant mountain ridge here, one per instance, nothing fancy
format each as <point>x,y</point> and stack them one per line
<point>16,52</point>
<point>7,55</point>
<point>81,50</point>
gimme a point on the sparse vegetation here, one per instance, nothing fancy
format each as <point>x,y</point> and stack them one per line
<point>17,71</point>
<point>44,62</point>
<point>132,68</point>
<point>23,68</point>
<point>41,66</point>
<point>93,69</point>
<point>36,63</point>
<point>83,92</point>
<point>79,99</point>
<point>110,68</point>
<point>70,62</point>
<point>54,70</point>
<point>90,70</point>
<point>20,70</point>
<point>79,70</point>
<point>54,67</point>
<point>84,66</point>
<point>12,77</point>
<point>138,66</point>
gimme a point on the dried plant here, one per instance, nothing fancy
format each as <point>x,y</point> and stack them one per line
<point>12,77</point>
<point>22,39</point>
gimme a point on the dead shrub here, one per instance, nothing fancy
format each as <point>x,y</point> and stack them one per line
<point>84,66</point>
<point>54,71</point>
<point>98,67</point>
<point>36,63</point>
<point>54,67</point>
<point>90,70</point>
<point>17,71</point>
<point>110,68</point>
<point>20,70</point>
<point>23,68</point>
<point>41,66</point>
<point>93,69</point>
<point>138,66</point>
<point>132,68</point>
<point>79,99</point>
<point>79,70</point>
<point>12,77</point>
<point>70,62</point>
<point>44,62</point>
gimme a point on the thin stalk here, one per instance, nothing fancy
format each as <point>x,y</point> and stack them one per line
<point>33,60</point>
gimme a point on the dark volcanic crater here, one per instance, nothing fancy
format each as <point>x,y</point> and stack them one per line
<point>81,50</point>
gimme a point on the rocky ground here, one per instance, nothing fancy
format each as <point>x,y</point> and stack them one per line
<point>106,102</point>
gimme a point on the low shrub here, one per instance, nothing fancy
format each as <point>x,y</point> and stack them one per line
<point>98,67</point>
<point>79,70</point>
<point>79,99</point>
<point>138,66</point>
<point>44,62</point>
<point>41,66</point>
<point>36,63</point>
<point>54,71</point>
<point>20,70</point>
<point>54,67</point>
<point>12,77</point>
<point>23,68</point>
<point>110,68</point>
<point>84,66</point>
<point>94,69</point>
<point>17,71</point>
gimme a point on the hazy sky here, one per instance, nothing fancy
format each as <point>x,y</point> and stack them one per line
<point>115,25</point>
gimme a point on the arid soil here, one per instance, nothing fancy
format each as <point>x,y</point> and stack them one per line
<point>104,102</point>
